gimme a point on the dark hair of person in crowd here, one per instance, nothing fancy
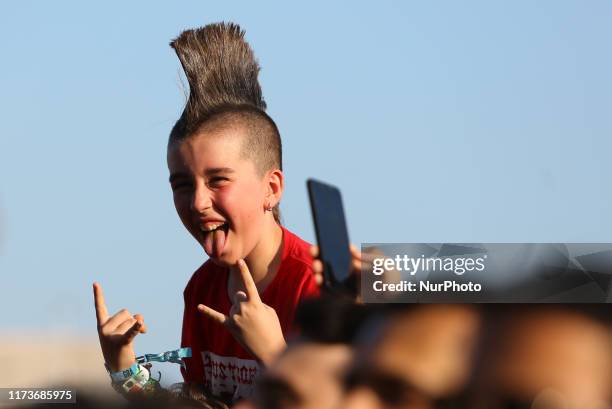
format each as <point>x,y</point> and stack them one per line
<point>331,319</point>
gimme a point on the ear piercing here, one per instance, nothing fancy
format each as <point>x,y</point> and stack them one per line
<point>268,208</point>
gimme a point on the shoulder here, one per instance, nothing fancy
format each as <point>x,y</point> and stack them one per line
<point>296,250</point>
<point>296,266</point>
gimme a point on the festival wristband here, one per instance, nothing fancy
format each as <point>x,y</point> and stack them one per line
<point>151,385</point>
<point>138,381</point>
<point>121,376</point>
<point>175,356</point>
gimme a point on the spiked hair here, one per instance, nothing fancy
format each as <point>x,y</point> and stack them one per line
<point>224,92</point>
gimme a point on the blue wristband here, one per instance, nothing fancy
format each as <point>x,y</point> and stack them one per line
<point>124,375</point>
<point>175,356</point>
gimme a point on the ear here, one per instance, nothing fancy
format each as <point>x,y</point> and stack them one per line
<point>275,187</point>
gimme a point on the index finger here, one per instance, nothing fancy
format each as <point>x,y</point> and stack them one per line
<point>247,280</point>
<point>101,311</point>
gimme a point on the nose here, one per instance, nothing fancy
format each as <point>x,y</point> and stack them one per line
<point>202,198</point>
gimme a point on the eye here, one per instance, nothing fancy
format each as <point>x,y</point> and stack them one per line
<point>217,181</point>
<point>179,186</point>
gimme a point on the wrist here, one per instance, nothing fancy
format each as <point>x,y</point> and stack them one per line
<point>121,362</point>
<point>273,352</point>
<point>120,376</point>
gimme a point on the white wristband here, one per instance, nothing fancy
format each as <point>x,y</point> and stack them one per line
<point>122,376</point>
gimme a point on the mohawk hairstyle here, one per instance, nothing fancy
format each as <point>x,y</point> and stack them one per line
<point>221,70</point>
<point>224,92</point>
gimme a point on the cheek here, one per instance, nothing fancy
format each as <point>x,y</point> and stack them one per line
<point>243,207</point>
<point>183,208</point>
<point>242,204</point>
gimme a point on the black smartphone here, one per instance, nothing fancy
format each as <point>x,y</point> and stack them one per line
<point>332,235</point>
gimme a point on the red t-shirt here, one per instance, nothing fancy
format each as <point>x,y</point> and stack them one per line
<point>217,359</point>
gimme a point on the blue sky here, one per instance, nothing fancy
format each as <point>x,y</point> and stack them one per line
<point>445,121</point>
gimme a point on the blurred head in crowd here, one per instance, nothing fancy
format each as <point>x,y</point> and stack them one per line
<point>416,357</point>
<point>307,376</point>
<point>547,357</point>
<point>309,373</point>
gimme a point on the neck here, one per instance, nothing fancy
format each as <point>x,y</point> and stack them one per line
<point>264,260</point>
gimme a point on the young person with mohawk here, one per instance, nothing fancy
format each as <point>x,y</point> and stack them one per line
<point>225,163</point>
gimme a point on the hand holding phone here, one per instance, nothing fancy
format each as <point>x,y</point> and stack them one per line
<point>332,236</point>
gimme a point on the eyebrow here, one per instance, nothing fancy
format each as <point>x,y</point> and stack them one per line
<point>207,172</point>
<point>216,171</point>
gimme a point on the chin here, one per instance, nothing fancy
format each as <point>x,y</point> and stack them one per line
<point>225,260</point>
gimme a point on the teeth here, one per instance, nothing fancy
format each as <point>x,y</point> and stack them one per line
<point>211,227</point>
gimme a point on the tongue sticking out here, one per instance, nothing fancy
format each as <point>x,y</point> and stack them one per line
<point>214,242</point>
<point>219,241</point>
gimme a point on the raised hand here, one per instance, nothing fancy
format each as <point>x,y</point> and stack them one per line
<point>117,333</point>
<point>253,324</point>
<point>357,260</point>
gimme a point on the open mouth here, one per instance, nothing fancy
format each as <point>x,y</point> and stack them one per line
<point>214,238</point>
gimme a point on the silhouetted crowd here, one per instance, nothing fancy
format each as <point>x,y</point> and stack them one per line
<point>421,356</point>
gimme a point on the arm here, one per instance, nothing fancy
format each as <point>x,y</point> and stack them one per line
<point>117,335</point>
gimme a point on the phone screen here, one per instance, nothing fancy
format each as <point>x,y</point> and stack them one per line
<point>332,234</point>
